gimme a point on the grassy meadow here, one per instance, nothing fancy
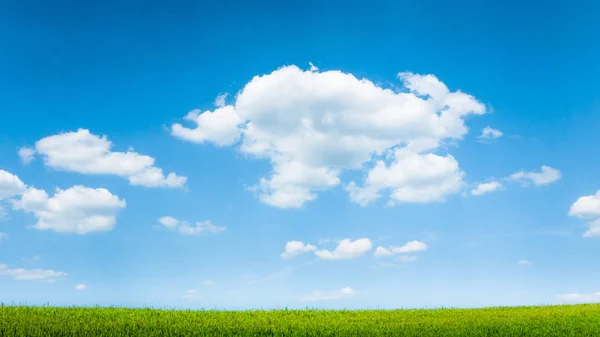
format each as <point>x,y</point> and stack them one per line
<point>544,321</point>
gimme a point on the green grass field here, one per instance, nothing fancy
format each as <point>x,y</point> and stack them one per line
<point>566,320</point>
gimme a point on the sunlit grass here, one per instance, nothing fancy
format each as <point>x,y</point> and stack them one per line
<point>564,320</point>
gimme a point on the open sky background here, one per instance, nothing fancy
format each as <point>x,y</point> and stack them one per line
<point>335,154</point>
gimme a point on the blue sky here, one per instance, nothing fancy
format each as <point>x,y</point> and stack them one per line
<point>347,136</point>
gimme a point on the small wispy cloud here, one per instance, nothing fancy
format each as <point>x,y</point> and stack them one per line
<point>346,249</point>
<point>329,295</point>
<point>547,175</point>
<point>191,294</point>
<point>579,298</point>
<point>30,274</point>
<point>27,155</point>
<point>183,228</point>
<point>295,248</point>
<point>409,247</point>
<point>486,188</point>
<point>524,262</point>
<point>81,286</point>
<point>220,101</point>
<point>488,134</point>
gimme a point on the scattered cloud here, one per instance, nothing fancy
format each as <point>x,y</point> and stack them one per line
<point>329,295</point>
<point>524,262</point>
<point>546,176</point>
<point>411,177</point>
<point>83,152</point>
<point>27,155</point>
<point>10,185</point>
<point>183,228</point>
<point>30,274</point>
<point>81,286</point>
<point>312,125</point>
<point>79,209</point>
<point>588,207</point>
<point>486,188</point>
<point>208,283</point>
<point>580,298</point>
<point>381,252</point>
<point>191,294</point>
<point>203,227</point>
<point>221,100</point>
<point>488,134</point>
<point>168,222</point>
<point>3,236</point>
<point>346,249</point>
<point>409,247</point>
<point>219,127</point>
<point>295,248</point>
<point>593,229</point>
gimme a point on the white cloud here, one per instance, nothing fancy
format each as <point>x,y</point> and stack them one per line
<point>220,100</point>
<point>488,133</point>
<point>168,222</point>
<point>588,207</point>
<point>199,228</point>
<point>486,188</point>
<point>312,125</point>
<point>580,298</point>
<point>86,153</point>
<point>524,262</point>
<point>183,228</point>
<point>219,126</point>
<point>81,286</point>
<point>346,249</point>
<point>593,229</point>
<point>381,252</point>
<point>407,259</point>
<point>546,176</point>
<point>329,295</point>
<point>295,248</point>
<point>409,247</point>
<point>78,209</point>
<point>417,178</point>
<point>30,274</point>
<point>191,294</point>
<point>10,185</point>
<point>3,236</point>
<point>208,283</point>
<point>27,155</point>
